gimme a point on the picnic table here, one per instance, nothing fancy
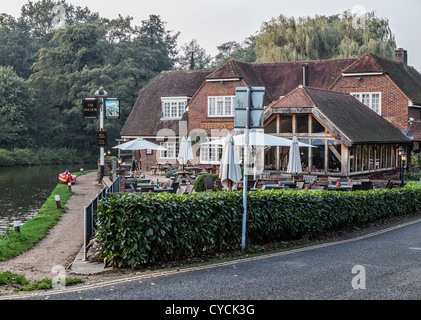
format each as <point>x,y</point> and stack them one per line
<point>182,175</point>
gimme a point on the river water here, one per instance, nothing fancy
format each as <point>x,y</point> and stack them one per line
<point>23,190</point>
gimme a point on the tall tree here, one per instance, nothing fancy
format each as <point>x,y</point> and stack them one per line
<point>321,37</point>
<point>83,56</point>
<point>238,51</point>
<point>153,34</point>
<point>16,110</point>
<point>194,57</point>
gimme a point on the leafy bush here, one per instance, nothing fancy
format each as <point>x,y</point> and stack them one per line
<point>199,183</point>
<point>135,229</point>
<point>413,176</point>
<point>171,172</point>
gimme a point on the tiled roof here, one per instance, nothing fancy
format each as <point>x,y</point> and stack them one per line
<point>283,77</point>
<point>145,117</point>
<point>354,120</point>
<point>405,77</point>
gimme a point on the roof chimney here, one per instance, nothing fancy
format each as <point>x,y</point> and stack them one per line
<point>401,56</point>
<point>305,75</point>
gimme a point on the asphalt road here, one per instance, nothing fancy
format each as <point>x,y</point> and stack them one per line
<point>385,265</point>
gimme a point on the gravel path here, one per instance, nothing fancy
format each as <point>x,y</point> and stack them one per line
<point>63,241</point>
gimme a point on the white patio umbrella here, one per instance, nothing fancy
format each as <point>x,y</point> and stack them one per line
<point>185,153</point>
<point>260,139</point>
<point>139,144</point>
<point>294,163</point>
<point>230,170</point>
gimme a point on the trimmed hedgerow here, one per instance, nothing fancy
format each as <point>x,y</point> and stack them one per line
<point>136,229</point>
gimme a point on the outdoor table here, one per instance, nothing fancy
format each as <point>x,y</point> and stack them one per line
<point>182,175</point>
<point>160,189</point>
<point>288,183</point>
<point>275,186</point>
<point>145,187</point>
<point>343,187</point>
<point>196,170</point>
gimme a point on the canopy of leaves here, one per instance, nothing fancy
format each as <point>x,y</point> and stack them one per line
<point>66,60</point>
<point>194,57</point>
<point>16,110</point>
<point>339,36</point>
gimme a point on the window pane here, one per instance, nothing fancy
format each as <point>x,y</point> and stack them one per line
<point>302,123</point>
<point>318,155</point>
<point>317,126</point>
<point>285,124</point>
<point>335,155</point>
<point>219,106</point>
<point>228,110</point>
<point>375,102</point>
<point>167,110</point>
<point>181,109</point>
<point>212,106</point>
<point>304,155</point>
<point>173,109</point>
<point>356,96</point>
<point>366,99</point>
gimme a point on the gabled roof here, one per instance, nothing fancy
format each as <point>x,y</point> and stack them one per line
<point>350,118</point>
<point>236,70</point>
<point>279,78</point>
<point>283,77</point>
<point>406,78</point>
<point>145,117</point>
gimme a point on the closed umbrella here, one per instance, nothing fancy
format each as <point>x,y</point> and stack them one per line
<point>294,163</point>
<point>185,153</point>
<point>230,170</point>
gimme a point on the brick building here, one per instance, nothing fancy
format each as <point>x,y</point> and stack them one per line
<point>201,104</point>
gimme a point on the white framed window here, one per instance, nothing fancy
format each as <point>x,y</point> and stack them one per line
<point>221,106</point>
<point>210,153</point>
<point>171,152</point>
<point>173,107</point>
<point>370,99</point>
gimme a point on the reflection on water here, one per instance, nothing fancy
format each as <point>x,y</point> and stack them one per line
<point>23,190</point>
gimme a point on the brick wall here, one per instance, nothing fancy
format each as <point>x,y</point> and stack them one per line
<point>394,104</point>
<point>198,107</point>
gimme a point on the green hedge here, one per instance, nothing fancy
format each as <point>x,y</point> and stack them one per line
<point>135,229</point>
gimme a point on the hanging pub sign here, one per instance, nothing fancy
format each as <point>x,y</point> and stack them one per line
<point>90,108</point>
<point>112,107</point>
<point>102,138</point>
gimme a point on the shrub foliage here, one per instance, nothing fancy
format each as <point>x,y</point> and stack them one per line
<point>136,229</point>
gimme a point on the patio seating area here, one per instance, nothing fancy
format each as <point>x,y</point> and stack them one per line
<point>182,182</point>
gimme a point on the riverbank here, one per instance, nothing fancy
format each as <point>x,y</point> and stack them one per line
<point>62,242</point>
<point>44,156</point>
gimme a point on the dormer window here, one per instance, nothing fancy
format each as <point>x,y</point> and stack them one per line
<point>173,108</point>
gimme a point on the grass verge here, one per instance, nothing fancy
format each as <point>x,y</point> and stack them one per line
<point>18,283</point>
<point>35,229</point>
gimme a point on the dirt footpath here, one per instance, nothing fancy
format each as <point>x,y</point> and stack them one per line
<point>63,242</point>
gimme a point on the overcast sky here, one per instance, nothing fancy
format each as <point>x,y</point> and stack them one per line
<point>213,22</point>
